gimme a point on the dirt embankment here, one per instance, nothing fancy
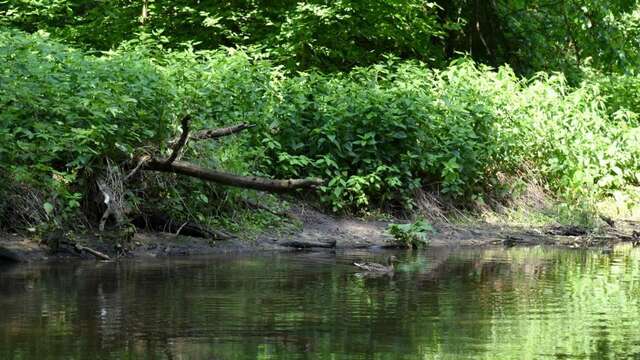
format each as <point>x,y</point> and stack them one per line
<point>319,231</point>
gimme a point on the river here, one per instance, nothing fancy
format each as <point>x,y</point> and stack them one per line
<point>441,303</point>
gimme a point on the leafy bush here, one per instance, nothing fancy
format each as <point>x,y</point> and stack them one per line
<point>379,133</point>
<point>412,235</point>
<point>64,115</point>
<point>64,110</point>
<point>376,134</point>
<point>621,95</point>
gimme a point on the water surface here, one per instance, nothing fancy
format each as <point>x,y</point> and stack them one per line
<point>519,303</point>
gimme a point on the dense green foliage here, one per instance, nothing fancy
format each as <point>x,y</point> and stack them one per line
<point>63,108</point>
<point>529,35</point>
<point>331,35</point>
<point>544,35</point>
<point>373,96</point>
<point>64,113</point>
<point>381,132</point>
<point>412,235</point>
<point>376,134</point>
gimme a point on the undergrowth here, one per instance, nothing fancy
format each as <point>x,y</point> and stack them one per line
<point>377,134</point>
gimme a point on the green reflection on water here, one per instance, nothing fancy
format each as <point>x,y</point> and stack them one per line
<point>520,303</point>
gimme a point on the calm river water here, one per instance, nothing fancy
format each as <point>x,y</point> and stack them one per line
<point>519,303</point>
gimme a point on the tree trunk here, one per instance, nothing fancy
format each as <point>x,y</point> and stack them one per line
<point>145,11</point>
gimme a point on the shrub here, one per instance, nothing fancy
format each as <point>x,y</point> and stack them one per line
<point>65,111</point>
<point>376,134</point>
<point>412,235</point>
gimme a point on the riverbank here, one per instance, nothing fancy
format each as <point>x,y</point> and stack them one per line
<point>176,136</point>
<point>318,231</point>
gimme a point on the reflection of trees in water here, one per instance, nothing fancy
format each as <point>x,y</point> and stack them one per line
<point>506,302</point>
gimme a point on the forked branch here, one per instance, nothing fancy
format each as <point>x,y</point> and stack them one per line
<point>184,137</point>
<point>173,164</point>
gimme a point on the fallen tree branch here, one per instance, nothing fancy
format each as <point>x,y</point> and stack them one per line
<point>248,182</point>
<point>184,137</point>
<point>95,253</point>
<point>141,161</point>
<point>173,164</point>
<point>91,251</point>
<point>221,132</point>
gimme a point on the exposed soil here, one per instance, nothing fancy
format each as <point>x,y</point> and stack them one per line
<point>14,247</point>
<point>319,231</point>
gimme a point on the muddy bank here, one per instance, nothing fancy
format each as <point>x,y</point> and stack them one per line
<point>319,231</point>
<point>350,233</point>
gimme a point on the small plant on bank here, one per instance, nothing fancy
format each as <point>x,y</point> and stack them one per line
<point>413,235</point>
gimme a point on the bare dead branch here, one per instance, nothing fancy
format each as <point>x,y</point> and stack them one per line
<point>135,170</point>
<point>184,137</point>
<point>91,251</point>
<point>248,182</point>
<point>220,132</point>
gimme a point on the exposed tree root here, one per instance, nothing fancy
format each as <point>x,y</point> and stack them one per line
<point>160,222</point>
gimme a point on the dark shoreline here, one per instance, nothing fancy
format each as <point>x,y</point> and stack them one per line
<point>320,232</point>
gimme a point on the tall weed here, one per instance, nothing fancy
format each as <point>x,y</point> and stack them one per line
<point>376,133</point>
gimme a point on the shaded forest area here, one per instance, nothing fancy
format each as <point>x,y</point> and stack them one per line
<point>470,104</point>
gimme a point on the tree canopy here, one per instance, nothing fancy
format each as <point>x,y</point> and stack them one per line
<point>530,36</point>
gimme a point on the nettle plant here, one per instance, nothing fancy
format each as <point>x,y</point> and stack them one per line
<point>413,235</point>
<point>376,134</point>
<point>379,133</point>
<point>65,112</point>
